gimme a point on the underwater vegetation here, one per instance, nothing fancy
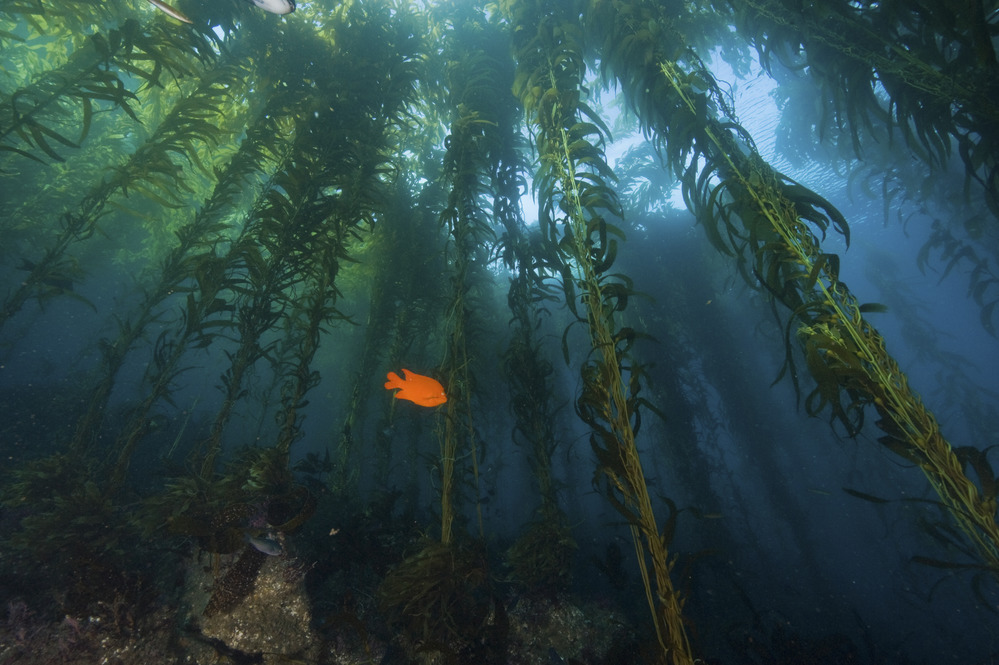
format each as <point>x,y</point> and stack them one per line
<point>221,227</point>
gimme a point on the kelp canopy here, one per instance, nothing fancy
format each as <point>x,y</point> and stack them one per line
<point>217,238</point>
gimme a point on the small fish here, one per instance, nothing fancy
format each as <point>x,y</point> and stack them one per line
<point>170,11</point>
<point>417,388</point>
<point>273,6</point>
<point>269,545</point>
<point>276,6</point>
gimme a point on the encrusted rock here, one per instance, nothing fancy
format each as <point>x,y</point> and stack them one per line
<point>272,620</point>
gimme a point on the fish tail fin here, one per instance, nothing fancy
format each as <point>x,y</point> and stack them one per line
<point>394,381</point>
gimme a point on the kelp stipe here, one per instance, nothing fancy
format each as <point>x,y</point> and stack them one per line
<point>936,64</point>
<point>333,153</point>
<point>845,354</point>
<point>752,208</point>
<point>926,73</point>
<point>90,73</point>
<point>467,168</point>
<point>200,269</point>
<point>177,268</point>
<point>443,593</point>
<point>575,200</point>
<point>35,124</point>
<point>317,203</point>
<point>80,523</point>
<point>94,491</point>
<point>150,171</point>
<point>409,289</point>
<point>351,189</point>
<point>958,397</point>
<point>541,558</point>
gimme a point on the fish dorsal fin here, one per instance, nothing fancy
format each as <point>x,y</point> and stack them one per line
<point>394,381</point>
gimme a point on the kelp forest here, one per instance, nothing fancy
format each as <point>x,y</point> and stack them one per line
<point>590,332</point>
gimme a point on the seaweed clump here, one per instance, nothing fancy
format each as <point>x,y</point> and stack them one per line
<point>541,559</point>
<point>256,497</point>
<point>442,598</point>
<point>66,537</point>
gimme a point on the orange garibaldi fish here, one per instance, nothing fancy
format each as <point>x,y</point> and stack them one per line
<point>417,388</point>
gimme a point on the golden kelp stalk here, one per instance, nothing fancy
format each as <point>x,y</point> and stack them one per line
<point>843,351</point>
<point>463,220</point>
<point>441,594</point>
<point>746,207</point>
<point>575,199</point>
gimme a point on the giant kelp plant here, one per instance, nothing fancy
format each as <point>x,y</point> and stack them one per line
<point>218,237</point>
